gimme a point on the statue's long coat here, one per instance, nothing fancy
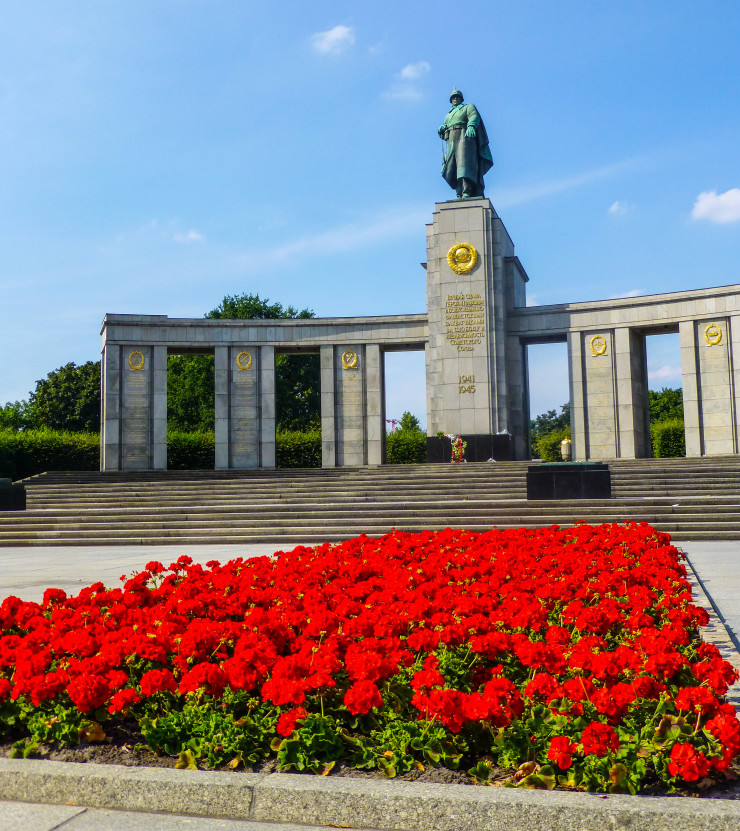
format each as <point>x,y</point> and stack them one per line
<point>468,158</point>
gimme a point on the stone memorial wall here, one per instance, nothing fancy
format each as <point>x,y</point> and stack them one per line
<point>475,334</point>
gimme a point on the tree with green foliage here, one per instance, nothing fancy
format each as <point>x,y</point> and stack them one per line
<point>408,443</point>
<point>547,430</point>
<point>67,399</point>
<point>14,416</point>
<point>666,404</point>
<point>190,390</point>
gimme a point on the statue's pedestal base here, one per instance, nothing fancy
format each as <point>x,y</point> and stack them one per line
<point>480,448</point>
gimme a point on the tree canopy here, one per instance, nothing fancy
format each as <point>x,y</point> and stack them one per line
<point>666,404</point>
<point>67,399</point>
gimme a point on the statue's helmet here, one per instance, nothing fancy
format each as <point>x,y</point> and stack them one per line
<point>456,94</point>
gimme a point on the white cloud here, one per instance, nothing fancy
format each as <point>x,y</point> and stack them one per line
<point>664,373</point>
<point>718,207</point>
<point>620,208</point>
<point>404,87</point>
<point>413,71</point>
<point>189,236</point>
<point>334,41</point>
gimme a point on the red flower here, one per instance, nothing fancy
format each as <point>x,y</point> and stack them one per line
<point>286,724</point>
<point>599,739</point>
<point>122,700</point>
<point>361,697</point>
<point>561,751</point>
<point>687,763</point>
<point>157,680</point>
<point>88,692</point>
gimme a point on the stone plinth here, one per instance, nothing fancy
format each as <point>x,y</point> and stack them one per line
<point>470,285</point>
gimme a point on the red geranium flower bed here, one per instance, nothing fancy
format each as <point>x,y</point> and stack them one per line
<point>569,656</point>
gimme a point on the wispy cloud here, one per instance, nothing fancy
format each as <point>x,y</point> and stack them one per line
<point>405,85</point>
<point>620,208</point>
<point>522,194</point>
<point>664,373</point>
<point>718,207</point>
<point>189,236</point>
<point>630,293</point>
<point>334,41</point>
<point>395,223</point>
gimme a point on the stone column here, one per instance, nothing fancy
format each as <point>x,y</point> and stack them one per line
<point>349,405</point>
<point>110,421</point>
<point>632,396</point>
<point>137,408</point>
<point>159,408</point>
<point>328,420</point>
<point>578,421</point>
<point>598,374</point>
<point>375,404</point>
<point>221,385</point>
<point>267,406</point>
<point>708,381</point>
<point>244,407</point>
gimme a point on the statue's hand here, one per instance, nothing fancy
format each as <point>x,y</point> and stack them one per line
<point>441,131</point>
<point>470,132</point>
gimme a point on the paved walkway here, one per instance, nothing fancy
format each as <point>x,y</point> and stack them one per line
<point>28,571</point>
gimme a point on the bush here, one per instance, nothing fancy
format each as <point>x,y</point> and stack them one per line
<point>669,438</point>
<point>35,451</point>
<point>406,447</point>
<point>191,451</point>
<point>297,449</point>
<point>547,447</point>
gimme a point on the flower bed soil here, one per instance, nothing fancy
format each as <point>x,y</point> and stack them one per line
<point>541,658</point>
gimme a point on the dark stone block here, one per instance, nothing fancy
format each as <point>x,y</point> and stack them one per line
<point>480,448</point>
<point>569,480</point>
<point>12,496</point>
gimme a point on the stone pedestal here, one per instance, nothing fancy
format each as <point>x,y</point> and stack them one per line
<point>473,279</point>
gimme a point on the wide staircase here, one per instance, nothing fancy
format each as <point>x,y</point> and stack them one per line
<point>690,498</point>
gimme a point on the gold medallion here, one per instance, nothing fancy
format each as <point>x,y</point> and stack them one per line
<point>243,361</point>
<point>136,361</point>
<point>349,359</point>
<point>598,345</point>
<point>462,258</point>
<point>713,335</point>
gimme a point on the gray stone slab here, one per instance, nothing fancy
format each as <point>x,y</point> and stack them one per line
<point>15,816</point>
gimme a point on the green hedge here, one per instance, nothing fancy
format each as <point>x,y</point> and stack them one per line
<point>296,449</point>
<point>669,438</point>
<point>191,451</point>
<point>547,447</point>
<point>35,451</point>
<point>406,447</point>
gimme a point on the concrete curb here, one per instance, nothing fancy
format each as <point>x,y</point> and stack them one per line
<point>352,803</point>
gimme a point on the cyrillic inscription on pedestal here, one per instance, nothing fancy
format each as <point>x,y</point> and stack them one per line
<point>136,410</point>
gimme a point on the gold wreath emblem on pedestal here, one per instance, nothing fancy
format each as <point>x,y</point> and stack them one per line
<point>598,345</point>
<point>243,361</point>
<point>713,335</point>
<point>136,361</point>
<point>349,359</point>
<point>462,258</point>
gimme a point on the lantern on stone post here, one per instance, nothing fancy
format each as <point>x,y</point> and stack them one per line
<point>566,450</point>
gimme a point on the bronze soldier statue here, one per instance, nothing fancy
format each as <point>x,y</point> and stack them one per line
<point>467,155</point>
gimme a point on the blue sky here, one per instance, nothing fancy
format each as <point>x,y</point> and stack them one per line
<point>158,155</point>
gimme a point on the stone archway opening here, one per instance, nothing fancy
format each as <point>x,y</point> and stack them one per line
<point>665,393</point>
<point>547,398</point>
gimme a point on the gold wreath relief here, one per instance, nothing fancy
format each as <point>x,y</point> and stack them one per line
<point>462,257</point>
<point>135,361</point>
<point>243,361</point>
<point>349,359</point>
<point>598,345</point>
<point>713,334</point>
